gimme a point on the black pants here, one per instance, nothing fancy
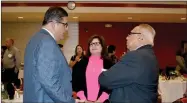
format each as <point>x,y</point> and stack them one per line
<point>11,77</point>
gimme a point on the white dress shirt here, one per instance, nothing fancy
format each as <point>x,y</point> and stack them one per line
<point>49,33</point>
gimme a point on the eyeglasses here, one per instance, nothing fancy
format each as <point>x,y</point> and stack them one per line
<point>132,33</point>
<point>96,44</point>
<point>65,24</point>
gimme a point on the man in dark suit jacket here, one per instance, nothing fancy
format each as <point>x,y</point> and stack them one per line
<point>47,76</point>
<point>134,79</point>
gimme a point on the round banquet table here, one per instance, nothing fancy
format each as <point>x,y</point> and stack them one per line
<point>172,90</point>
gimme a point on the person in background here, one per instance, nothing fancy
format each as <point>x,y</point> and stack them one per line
<point>134,79</point>
<point>185,55</point>
<point>11,62</point>
<point>77,57</point>
<point>84,52</point>
<point>122,55</point>
<point>3,49</point>
<point>96,62</point>
<point>61,47</point>
<point>180,68</point>
<point>77,70</point>
<point>111,53</point>
<point>47,76</point>
<point>181,58</point>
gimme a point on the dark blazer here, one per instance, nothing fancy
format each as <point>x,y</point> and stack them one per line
<point>47,76</point>
<point>134,79</point>
<point>107,63</point>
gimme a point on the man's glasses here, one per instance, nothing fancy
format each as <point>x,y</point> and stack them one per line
<point>132,33</point>
<point>96,44</point>
<point>65,24</point>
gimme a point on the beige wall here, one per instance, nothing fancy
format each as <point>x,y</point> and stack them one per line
<point>22,32</point>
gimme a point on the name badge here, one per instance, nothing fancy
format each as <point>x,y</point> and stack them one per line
<point>10,55</point>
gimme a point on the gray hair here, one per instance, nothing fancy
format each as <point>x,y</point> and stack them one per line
<point>150,32</point>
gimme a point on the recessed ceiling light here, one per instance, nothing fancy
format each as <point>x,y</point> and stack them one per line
<point>183,18</point>
<point>75,17</point>
<point>20,17</point>
<point>129,18</point>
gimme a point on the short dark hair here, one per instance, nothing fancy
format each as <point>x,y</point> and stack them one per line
<point>54,13</point>
<point>60,45</point>
<point>103,45</point>
<point>111,48</point>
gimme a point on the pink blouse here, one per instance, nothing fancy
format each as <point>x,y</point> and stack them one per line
<point>93,70</point>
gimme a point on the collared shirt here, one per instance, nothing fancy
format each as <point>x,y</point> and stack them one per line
<point>139,47</point>
<point>49,33</point>
<point>12,58</point>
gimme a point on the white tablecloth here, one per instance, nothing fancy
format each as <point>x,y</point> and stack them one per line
<point>172,90</point>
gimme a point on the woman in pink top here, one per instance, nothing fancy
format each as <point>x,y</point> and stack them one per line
<point>96,63</point>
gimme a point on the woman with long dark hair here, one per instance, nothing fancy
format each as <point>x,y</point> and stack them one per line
<point>77,70</point>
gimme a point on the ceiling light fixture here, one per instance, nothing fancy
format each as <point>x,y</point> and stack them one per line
<point>129,18</point>
<point>183,18</point>
<point>75,17</point>
<point>20,17</point>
